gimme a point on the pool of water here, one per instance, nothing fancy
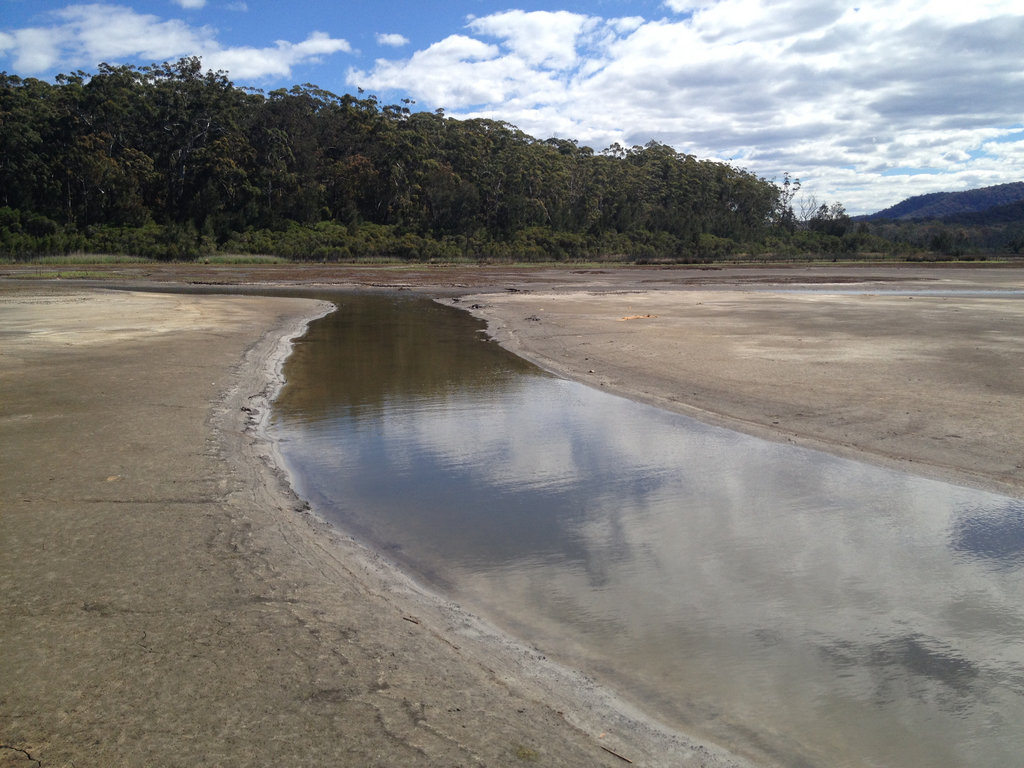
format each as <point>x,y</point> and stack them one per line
<point>797,608</point>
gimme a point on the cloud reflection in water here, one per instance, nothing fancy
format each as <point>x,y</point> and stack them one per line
<point>821,600</point>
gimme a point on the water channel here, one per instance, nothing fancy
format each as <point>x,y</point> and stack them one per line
<point>795,607</point>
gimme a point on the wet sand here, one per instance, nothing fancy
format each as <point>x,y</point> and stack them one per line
<point>168,601</point>
<point>869,369</point>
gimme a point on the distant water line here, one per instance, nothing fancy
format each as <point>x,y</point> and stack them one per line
<point>795,607</point>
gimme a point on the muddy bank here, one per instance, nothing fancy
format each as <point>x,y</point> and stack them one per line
<point>168,601</point>
<point>931,383</point>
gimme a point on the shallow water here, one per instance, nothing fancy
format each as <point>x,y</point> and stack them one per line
<point>797,608</point>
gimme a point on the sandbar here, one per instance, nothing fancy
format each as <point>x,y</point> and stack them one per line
<point>921,370</point>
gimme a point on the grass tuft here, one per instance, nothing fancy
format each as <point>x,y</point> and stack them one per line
<point>526,754</point>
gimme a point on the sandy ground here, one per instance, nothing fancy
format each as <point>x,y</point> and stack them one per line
<point>929,383</point>
<point>166,600</point>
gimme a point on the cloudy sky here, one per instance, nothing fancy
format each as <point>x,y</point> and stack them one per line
<point>866,101</point>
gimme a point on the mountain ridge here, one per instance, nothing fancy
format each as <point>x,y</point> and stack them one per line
<point>1000,199</point>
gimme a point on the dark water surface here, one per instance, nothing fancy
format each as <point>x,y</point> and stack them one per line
<point>792,606</point>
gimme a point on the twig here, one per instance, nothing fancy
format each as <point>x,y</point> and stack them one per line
<point>613,752</point>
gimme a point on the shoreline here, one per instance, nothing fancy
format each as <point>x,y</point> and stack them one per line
<point>843,394</point>
<point>169,598</point>
<point>596,711</point>
<point>192,607</point>
<point>948,474</point>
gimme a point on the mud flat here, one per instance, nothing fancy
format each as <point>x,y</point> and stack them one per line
<point>167,600</point>
<point>917,369</point>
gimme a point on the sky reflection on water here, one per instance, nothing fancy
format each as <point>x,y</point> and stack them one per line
<point>795,606</point>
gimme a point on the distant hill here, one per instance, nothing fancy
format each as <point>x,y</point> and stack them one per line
<point>1000,214</point>
<point>1003,201</point>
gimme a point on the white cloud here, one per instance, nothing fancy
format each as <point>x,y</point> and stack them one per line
<point>463,71</point>
<point>541,38</point>
<point>34,50</point>
<point>534,54</point>
<point>93,33</point>
<point>256,63</point>
<point>190,4</point>
<point>687,6</point>
<point>392,40</point>
<point>833,92</point>
<point>87,35</point>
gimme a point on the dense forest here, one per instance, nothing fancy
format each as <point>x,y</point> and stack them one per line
<point>946,205</point>
<point>168,161</point>
<point>989,220</point>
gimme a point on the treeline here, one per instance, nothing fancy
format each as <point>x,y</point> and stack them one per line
<point>171,162</point>
<point>960,236</point>
<point>975,222</point>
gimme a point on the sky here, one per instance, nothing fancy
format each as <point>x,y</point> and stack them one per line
<point>867,102</point>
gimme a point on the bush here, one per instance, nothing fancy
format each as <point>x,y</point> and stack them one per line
<point>10,219</point>
<point>38,225</point>
<point>711,247</point>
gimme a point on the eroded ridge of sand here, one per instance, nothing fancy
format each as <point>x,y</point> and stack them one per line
<point>166,600</point>
<point>930,383</point>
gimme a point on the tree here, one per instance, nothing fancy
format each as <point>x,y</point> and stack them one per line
<point>830,220</point>
<point>193,163</point>
<point>783,216</point>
